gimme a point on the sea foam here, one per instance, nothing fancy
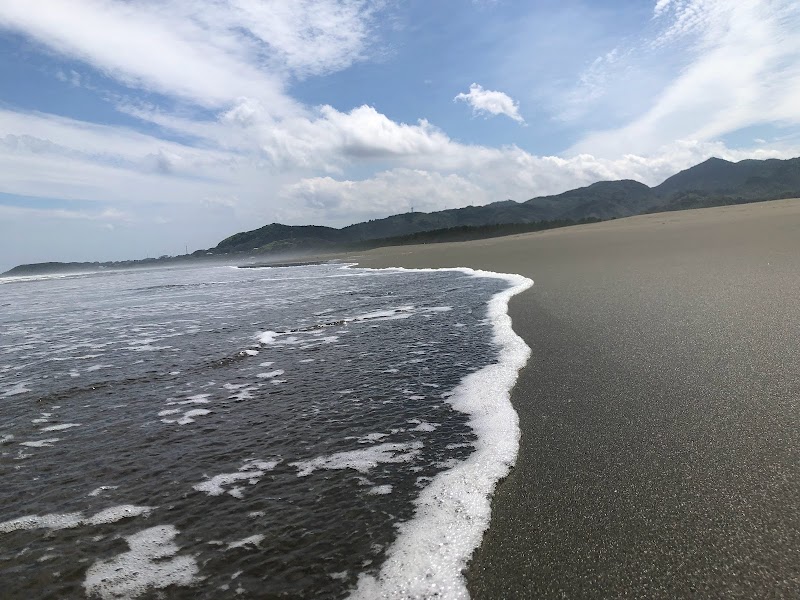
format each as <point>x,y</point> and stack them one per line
<point>360,460</point>
<point>150,564</point>
<point>252,541</point>
<point>70,520</point>
<point>251,471</point>
<point>429,556</point>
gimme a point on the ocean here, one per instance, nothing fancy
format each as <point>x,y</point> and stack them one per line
<point>315,431</point>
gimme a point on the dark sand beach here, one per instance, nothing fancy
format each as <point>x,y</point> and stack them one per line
<point>659,410</point>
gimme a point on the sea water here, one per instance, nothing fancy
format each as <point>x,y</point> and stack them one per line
<point>214,431</point>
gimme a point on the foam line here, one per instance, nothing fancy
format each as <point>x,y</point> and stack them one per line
<point>431,551</point>
<point>40,443</point>
<point>390,314</point>
<point>251,471</point>
<point>70,520</point>
<point>59,427</point>
<point>101,489</point>
<point>253,541</point>
<point>360,460</point>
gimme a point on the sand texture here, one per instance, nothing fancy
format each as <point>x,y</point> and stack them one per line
<point>659,410</point>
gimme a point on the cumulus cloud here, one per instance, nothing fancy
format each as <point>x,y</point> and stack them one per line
<point>510,173</point>
<point>331,139</point>
<point>488,102</point>
<point>394,191</point>
<point>325,138</point>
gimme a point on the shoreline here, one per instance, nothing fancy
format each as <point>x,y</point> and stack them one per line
<point>659,450</point>
<point>453,511</point>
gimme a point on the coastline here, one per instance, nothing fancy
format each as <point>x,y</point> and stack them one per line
<point>659,449</point>
<point>453,511</point>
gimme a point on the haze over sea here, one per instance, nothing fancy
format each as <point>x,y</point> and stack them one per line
<point>223,432</point>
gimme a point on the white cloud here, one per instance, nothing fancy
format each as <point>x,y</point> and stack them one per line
<point>688,16</point>
<point>41,132</point>
<point>56,157</point>
<point>106,215</point>
<point>207,53</point>
<point>325,138</point>
<point>389,192</point>
<point>490,102</point>
<point>592,85</point>
<point>73,77</point>
<point>661,6</point>
<point>507,174</point>
<point>743,70</point>
<point>308,37</point>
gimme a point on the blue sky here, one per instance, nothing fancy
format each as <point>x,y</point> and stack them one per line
<point>133,128</point>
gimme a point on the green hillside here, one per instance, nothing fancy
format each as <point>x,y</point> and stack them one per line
<point>711,183</point>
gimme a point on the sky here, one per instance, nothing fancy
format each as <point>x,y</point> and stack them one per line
<point>140,128</point>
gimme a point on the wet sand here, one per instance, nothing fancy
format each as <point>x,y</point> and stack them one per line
<point>660,410</point>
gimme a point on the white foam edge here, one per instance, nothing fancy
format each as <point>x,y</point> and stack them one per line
<point>40,443</point>
<point>101,489</point>
<point>362,460</point>
<point>77,519</point>
<point>59,427</point>
<point>251,471</point>
<point>452,512</point>
<point>253,541</point>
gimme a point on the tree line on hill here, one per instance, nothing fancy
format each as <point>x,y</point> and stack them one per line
<point>714,182</point>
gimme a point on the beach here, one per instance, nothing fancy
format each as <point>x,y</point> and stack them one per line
<point>659,409</point>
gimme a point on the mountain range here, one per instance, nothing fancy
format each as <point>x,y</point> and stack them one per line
<point>714,182</point>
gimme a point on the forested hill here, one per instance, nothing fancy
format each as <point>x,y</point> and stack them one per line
<point>712,183</point>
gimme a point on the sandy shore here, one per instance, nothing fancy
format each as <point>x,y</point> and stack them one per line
<point>660,410</point>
